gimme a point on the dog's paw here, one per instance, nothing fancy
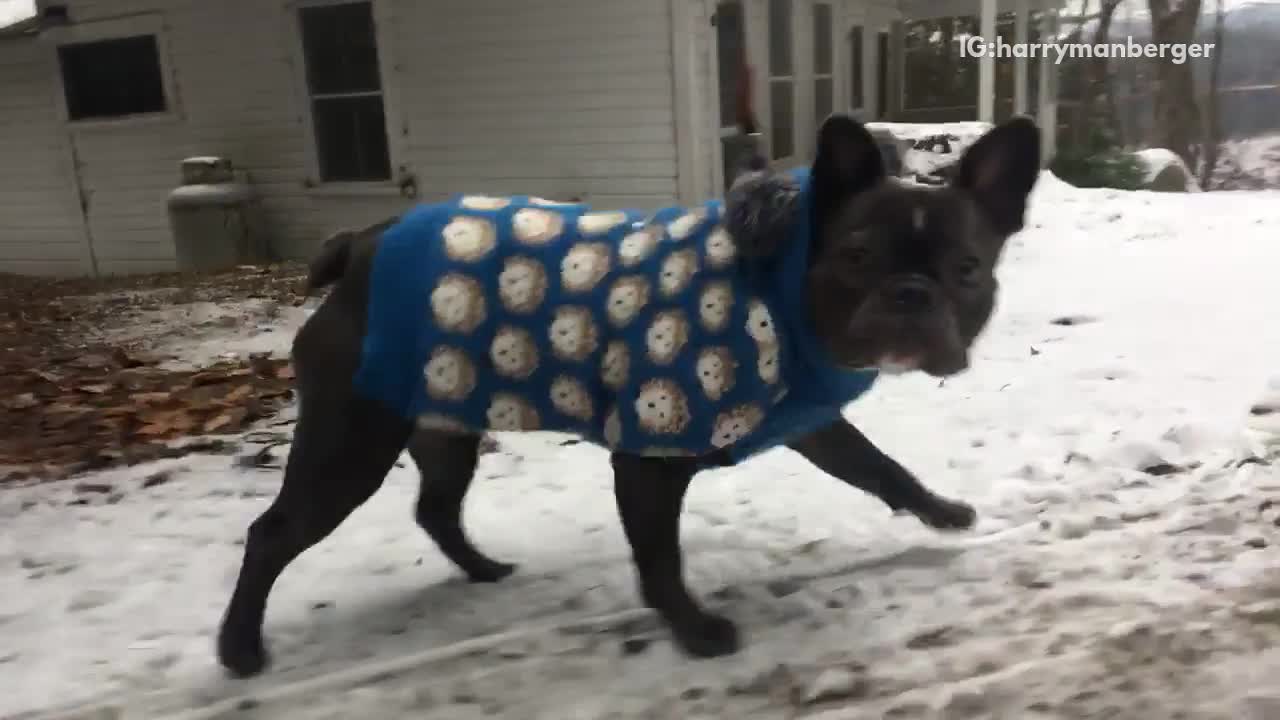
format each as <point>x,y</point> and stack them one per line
<point>707,636</point>
<point>242,658</point>
<point>489,571</point>
<point>943,514</point>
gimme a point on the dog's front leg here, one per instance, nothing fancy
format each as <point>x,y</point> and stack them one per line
<point>842,451</point>
<point>650,495</point>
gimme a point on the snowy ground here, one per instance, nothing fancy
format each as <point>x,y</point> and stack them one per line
<point>1124,566</point>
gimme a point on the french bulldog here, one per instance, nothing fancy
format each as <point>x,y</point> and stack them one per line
<point>896,278</point>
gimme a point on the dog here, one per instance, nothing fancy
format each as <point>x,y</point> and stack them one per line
<point>883,277</point>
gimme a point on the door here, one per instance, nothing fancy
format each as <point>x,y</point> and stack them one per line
<point>126,138</point>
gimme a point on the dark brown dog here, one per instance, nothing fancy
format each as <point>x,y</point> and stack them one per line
<point>902,278</point>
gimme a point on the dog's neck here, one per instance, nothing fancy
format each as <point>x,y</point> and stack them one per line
<point>762,210</point>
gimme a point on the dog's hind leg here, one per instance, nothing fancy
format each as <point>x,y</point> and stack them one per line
<point>447,463</point>
<point>338,460</point>
<point>343,447</point>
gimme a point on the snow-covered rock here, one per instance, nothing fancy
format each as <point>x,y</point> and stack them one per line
<point>1166,172</point>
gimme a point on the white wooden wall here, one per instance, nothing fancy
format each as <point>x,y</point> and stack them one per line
<point>556,97</point>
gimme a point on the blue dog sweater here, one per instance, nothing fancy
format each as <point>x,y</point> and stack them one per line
<point>638,331</point>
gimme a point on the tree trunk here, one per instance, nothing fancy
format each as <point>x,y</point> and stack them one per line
<point>1099,100</point>
<point>1213,126</point>
<point>1177,119</point>
<point>1078,122</point>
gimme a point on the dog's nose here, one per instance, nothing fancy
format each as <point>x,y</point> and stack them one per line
<point>911,296</point>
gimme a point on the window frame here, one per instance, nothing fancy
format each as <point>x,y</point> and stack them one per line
<point>390,106</point>
<point>833,62</point>
<point>791,79</point>
<point>727,128</point>
<point>148,25</point>
<point>857,61</point>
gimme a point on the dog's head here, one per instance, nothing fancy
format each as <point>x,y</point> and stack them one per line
<point>903,278</point>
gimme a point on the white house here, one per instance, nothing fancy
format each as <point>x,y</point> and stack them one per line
<point>342,112</point>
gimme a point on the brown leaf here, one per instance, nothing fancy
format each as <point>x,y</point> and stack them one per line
<point>224,421</point>
<point>124,359</point>
<point>153,430</point>
<point>22,402</point>
<point>262,365</point>
<point>216,375</point>
<point>153,398</point>
<point>238,395</point>
<point>90,362</point>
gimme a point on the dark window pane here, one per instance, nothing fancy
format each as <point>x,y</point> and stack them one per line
<point>351,137</point>
<point>823,100</point>
<point>782,115</point>
<point>780,37</point>
<point>882,59</point>
<point>731,39</point>
<point>729,163</point>
<point>822,60</point>
<point>855,68</point>
<point>340,49</point>
<point>112,78</point>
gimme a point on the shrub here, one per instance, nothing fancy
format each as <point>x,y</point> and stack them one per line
<point>1099,163</point>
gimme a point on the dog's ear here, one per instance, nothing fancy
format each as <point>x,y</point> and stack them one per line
<point>999,171</point>
<point>848,161</point>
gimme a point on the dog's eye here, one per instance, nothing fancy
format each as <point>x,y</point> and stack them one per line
<point>855,256</point>
<point>968,267</point>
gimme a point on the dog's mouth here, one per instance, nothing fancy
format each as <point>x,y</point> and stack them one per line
<point>938,365</point>
<point>895,345</point>
<point>898,363</point>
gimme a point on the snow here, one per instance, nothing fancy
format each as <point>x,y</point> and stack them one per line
<point>1258,157</point>
<point>15,11</point>
<point>925,162</point>
<point>1123,565</point>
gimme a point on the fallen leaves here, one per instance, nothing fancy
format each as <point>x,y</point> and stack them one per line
<point>74,425</point>
<point>73,401</point>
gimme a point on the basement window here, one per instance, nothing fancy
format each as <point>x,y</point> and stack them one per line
<point>344,88</point>
<point>108,79</point>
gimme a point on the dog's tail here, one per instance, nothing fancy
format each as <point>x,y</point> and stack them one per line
<point>330,264</point>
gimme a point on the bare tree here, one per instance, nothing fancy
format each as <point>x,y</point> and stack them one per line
<point>1213,123</point>
<point>1177,118</point>
<point>1099,100</point>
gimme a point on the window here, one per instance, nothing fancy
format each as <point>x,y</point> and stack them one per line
<point>731,48</point>
<point>782,90</point>
<point>106,79</point>
<point>856,97</point>
<point>824,88</point>
<point>344,87</point>
<point>731,41</point>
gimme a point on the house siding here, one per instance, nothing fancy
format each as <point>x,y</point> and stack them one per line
<point>569,98</point>
<point>561,98</point>
<point>40,228</point>
<point>706,108</point>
